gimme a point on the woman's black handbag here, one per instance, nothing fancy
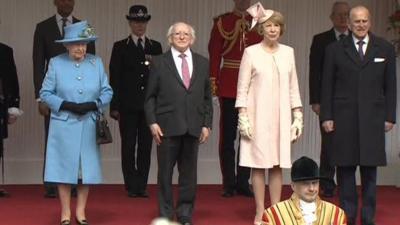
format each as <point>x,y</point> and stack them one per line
<point>103,132</point>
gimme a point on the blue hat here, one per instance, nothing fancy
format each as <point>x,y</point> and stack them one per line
<point>78,32</point>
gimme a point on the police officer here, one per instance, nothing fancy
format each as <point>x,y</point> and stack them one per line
<point>129,70</point>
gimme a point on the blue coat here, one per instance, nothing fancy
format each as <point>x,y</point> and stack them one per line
<point>72,151</point>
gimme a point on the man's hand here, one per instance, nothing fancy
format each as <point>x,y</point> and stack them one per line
<point>205,133</point>
<point>156,132</point>
<point>244,126</point>
<point>12,119</point>
<point>316,108</point>
<point>328,126</point>
<point>43,109</point>
<point>115,114</point>
<point>388,126</point>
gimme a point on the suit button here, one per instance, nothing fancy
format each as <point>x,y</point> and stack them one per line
<point>80,91</point>
<point>142,88</point>
<point>141,75</point>
<point>141,63</point>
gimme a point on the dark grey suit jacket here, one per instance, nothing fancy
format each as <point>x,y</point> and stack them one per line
<point>359,96</point>
<point>44,48</point>
<point>167,102</point>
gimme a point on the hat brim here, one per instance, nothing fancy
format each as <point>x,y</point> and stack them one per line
<point>309,178</point>
<point>140,19</point>
<point>77,40</point>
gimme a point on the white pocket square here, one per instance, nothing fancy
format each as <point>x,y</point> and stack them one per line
<point>379,59</point>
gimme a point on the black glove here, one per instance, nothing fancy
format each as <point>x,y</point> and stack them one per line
<point>78,108</point>
<point>88,106</point>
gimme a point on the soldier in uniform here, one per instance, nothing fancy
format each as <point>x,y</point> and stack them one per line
<point>129,71</point>
<point>230,35</point>
<point>9,97</point>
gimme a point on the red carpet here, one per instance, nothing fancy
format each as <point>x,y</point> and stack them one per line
<point>109,205</point>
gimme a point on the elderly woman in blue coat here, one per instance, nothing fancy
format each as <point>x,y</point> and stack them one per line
<point>75,89</point>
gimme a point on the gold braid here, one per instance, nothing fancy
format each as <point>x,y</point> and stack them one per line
<point>241,26</point>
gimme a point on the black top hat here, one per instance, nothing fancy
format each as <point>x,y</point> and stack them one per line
<point>305,169</point>
<point>138,13</point>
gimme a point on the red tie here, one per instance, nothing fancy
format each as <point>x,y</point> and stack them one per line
<point>185,71</point>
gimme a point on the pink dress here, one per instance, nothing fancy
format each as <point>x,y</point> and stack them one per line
<point>269,89</point>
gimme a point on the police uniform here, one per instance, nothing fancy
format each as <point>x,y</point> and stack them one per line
<point>129,71</point>
<point>230,35</point>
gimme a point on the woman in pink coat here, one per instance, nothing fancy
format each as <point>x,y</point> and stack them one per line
<point>267,98</point>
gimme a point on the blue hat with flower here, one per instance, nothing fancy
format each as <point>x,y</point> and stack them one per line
<point>78,32</point>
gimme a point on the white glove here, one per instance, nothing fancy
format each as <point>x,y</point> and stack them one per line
<point>297,126</point>
<point>244,126</point>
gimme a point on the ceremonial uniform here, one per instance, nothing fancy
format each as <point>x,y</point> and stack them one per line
<point>289,212</point>
<point>9,89</point>
<point>230,35</point>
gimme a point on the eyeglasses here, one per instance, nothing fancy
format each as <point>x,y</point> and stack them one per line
<point>179,34</point>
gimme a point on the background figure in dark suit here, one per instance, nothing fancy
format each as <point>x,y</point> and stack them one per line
<point>339,17</point>
<point>179,111</point>
<point>44,48</point>
<point>9,98</point>
<point>129,71</point>
<point>358,105</point>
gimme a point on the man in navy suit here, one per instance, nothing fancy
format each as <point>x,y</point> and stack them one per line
<point>179,111</point>
<point>358,105</point>
<point>44,48</point>
<point>339,17</point>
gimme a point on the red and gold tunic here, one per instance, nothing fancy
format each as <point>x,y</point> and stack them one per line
<point>230,35</point>
<point>289,212</point>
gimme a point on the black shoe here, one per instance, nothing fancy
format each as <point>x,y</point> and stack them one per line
<point>51,192</point>
<point>245,192</point>
<point>132,194</point>
<point>4,193</point>
<point>82,222</point>
<point>65,222</point>
<point>142,194</point>
<point>228,193</point>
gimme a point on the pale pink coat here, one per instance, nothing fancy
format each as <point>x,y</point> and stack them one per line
<point>269,89</point>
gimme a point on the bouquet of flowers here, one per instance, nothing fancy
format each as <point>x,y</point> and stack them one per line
<point>394,25</point>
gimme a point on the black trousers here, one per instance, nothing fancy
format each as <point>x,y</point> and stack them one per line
<point>348,193</point>
<point>325,168</point>
<point>182,150</point>
<point>228,131</point>
<point>136,141</point>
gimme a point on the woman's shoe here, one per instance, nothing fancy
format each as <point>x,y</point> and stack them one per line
<point>65,222</point>
<point>82,222</point>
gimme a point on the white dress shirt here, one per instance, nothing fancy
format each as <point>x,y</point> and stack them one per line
<point>178,60</point>
<point>60,22</point>
<point>365,45</point>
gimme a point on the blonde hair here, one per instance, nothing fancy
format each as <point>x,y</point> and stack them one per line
<point>276,18</point>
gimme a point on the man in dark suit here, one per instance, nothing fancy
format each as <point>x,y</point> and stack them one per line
<point>358,105</point>
<point>129,71</point>
<point>9,98</point>
<point>179,112</point>
<point>44,48</point>
<point>339,17</point>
